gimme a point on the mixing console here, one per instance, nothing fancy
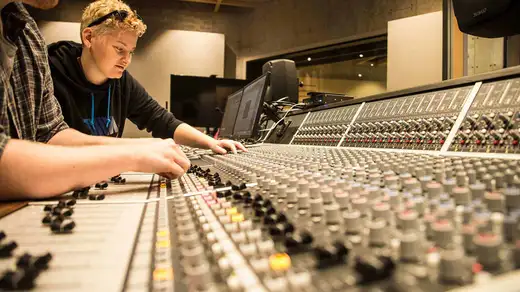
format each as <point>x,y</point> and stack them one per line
<point>491,124</point>
<point>414,192</point>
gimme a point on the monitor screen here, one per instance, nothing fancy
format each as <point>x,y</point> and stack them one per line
<point>200,101</point>
<point>250,108</point>
<point>230,114</point>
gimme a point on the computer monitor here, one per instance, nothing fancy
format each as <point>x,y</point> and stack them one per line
<point>230,114</point>
<point>199,101</point>
<point>246,124</point>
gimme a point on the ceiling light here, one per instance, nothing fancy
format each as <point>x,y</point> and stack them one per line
<point>361,55</point>
<point>309,59</point>
<point>372,65</point>
<point>360,75</point>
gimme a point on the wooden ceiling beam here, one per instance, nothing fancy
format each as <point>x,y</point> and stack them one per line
<point>217,6</point>
<point>235,3</point>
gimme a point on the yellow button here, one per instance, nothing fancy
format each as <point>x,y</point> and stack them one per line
<point>163,233</point>
<point>280,262</point>
<point>232,211</point>
<point>162,243</point>
<point>163,274</point>
<point>163,185</point>
<point>237,217</point>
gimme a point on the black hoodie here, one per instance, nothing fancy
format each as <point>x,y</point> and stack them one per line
<point>103,109</point>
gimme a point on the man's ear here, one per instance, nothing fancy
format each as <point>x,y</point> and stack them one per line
<point>86,37</point>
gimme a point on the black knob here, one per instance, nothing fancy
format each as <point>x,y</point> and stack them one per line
<point>7,248</point>
<point>281,218</point>
<point>21,279</point>
<point>2,235</point>
<point>47,219</point>
<point>267,203</point>
<point>68,203</point>
<point>24,261</point>
<point>42,262</point>
<point>211,183</point>
<point>65,226</point>
<point>276,230</point>
<point>220,195</point>
<point>291,243</point>
<point>258,197</point>
<point>307,238</point>
<point>101,185</point>
<point>341,250</point>
<point>96,197</point>
<point>260,212</point>
<point>237,196</point>
<point>270,210</point>
<point>48,208</point>
<point>228,193</point>
<point>258,204</point>
<point>372,268</point>
<point>270,219</point>
<point>288,227</point>
<point>229,183</point>
<point>66,212</point>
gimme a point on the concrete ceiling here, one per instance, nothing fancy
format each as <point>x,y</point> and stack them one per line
<point>373,69</point>
<point>235,3</point>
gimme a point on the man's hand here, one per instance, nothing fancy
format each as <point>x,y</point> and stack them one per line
<point>164,157</point>
<point>220,146</point>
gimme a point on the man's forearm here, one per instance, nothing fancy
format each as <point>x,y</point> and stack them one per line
<point>189,136</point>
<point>34,170</point>
<point>71,137</point>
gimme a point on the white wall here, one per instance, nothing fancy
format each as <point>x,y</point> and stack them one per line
<point>414,51</point>
<point>160,55</point>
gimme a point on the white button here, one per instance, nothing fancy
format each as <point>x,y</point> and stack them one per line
<point>211,238</point>
<point>224,219</point>
<point>278,284</point>
<point>227,245</point>
<point>236,260</point>
<point>220,212</point>
<point>217,250</point>
<point>231,227</point>
<point>206,227</point>
<point>224,265</point>
<point>226,205</point>
<point>246,225</point>
<point>260,265</point>
<point>239,237</point>
<point>203,219</point>
<point>254,235</point>
<point>248,249</point>
<point>300,280</point>
<point>234,284</point>
<point>266,247</point>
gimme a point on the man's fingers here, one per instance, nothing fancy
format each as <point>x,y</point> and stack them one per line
<point>240,146</point>
<point>219,150</point>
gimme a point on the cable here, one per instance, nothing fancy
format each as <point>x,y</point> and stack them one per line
<point>276,124</point>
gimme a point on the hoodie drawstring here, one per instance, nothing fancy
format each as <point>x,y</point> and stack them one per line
<point>92,123</point>
<point>108,108</point>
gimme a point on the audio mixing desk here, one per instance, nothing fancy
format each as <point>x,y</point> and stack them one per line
<point>417,190</point>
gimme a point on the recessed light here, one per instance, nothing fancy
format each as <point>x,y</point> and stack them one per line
<point>372,65</point>
<point>361,55</point>
<point>309,59</point>
<point>360,75</point>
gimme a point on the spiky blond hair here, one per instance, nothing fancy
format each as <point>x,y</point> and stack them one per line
<point>100,8</point>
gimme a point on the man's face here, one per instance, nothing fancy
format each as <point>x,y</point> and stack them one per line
<point>113,52</point>
<point>42,4</point>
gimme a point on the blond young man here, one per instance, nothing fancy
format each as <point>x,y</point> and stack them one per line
<point>36,160</point>
<point>97,94</point>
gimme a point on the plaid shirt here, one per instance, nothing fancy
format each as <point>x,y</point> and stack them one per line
<point>28,108</point>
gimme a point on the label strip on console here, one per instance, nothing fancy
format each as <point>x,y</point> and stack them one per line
<point>460,118</point>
